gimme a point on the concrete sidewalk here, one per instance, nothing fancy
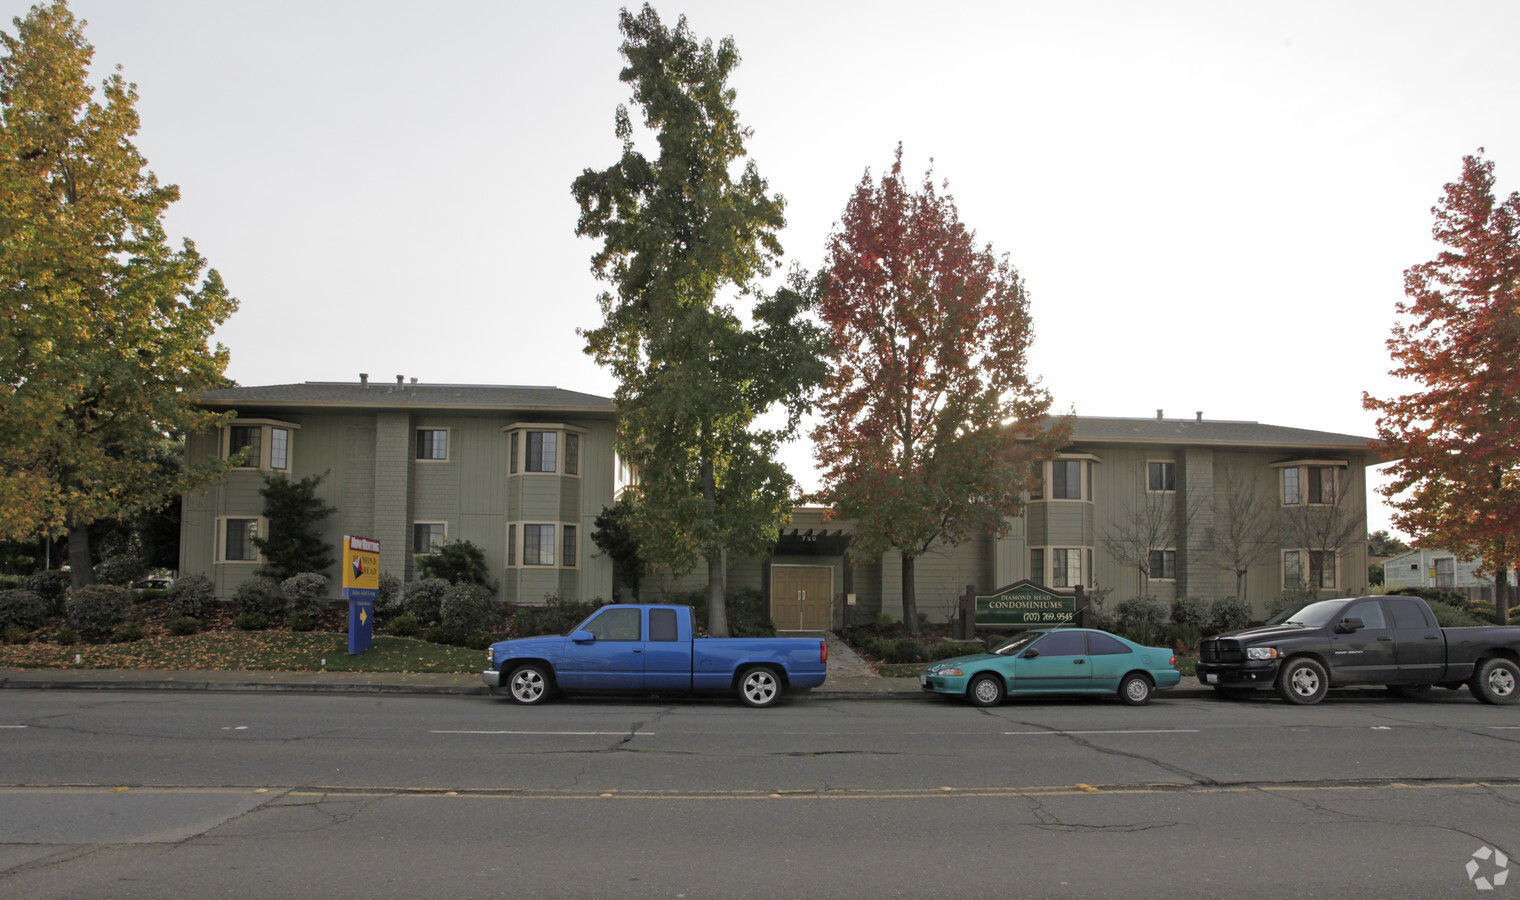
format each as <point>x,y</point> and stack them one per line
<point>850,678</point>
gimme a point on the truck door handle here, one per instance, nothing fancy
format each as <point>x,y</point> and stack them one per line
<point>1432,637</point>
<point>1385,638</point>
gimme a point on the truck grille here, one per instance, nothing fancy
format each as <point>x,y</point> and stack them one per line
<point>1216,650</point>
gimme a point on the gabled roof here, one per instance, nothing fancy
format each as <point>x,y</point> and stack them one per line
<point>413,395</point>
<point>1217,433</point>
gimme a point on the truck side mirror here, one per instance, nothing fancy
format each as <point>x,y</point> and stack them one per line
<point>1349,625</point>
<point>583,637</point>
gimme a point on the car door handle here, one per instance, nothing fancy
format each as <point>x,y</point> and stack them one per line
<point>1385,638</point>
<point>1079,662</point>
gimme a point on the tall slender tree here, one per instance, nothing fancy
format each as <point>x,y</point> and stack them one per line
<point>103,326</point>
<point>931,424</point>
<point>1455,439</point>
<point>678,231</point>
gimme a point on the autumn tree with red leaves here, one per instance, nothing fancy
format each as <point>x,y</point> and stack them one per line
<point>931,425</point>
<point>1456,479</point>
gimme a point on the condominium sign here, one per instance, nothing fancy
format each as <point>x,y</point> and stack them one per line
<point>1025,604</point>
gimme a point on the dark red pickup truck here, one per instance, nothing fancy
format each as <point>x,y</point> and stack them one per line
<point>1362,641</point>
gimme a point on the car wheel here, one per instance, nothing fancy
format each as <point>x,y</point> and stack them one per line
<point>1302,681</point>
<point>1135,689</point>
<point>1496,681</point>
<point>759,687</point>
<point>528,684</point>
<point>985,690</point>
<point>1409,691</point>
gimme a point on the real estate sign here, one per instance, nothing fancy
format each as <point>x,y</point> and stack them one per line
<point>361,584</point>
<point>1025,604</point>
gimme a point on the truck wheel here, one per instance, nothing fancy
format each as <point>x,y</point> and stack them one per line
<point>985,690</point>
<point>1496,681</point>
<point>1135,690</point>
<point>1409,691</point>
<point>528,684</point>
<point>1302,681</point>
<point>759,687</point>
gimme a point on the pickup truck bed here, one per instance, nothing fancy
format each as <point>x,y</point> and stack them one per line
<point>653,649</point>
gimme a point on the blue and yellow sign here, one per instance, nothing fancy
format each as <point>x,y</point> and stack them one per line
<point>361,584</point>
<point>1025,604</point>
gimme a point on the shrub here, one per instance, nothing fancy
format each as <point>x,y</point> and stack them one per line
<point>1190,612</point>
<point>388,598</point>
<point>128,632</point>
<point>1186,637</point>
<point>402,626</point>
<point>189,596</point>
<point>747,612</point>
<point>183,625</point>
<point>120,570</point>
<point>251,621</point>
<point>301,620</point>
<point>465,608</point>
<point>52,586</point>
<point>423,601</point>
<point>556,616</point>
<point>1448,616</point>
<point>1228,614</point>
<point>305,593</point>
<point>457,562</point>
<point>15,634</point>
<point>97,609</point>
<point>22,609</point>
<point>951,649</point>
<point>1141,613</point>
<point>66,636</point>
<point>258,594</point>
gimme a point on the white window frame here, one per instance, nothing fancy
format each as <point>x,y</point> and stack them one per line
<point>517,447</point>
<point>266,427</point>
<point>1301,469</point>
<point>261,526</point>
<point>1160,462</point>
<point>448,443</point>
<point>1046,491</point>
<point>429,522</point>
<point>517,542</point>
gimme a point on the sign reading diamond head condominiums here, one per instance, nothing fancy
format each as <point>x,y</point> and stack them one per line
<point>1025,603</point>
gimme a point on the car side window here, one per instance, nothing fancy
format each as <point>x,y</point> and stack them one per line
<point>615,625</point>
<point>1103,645</point>
<point>662,625</point>
<point>1370,613</point>
<point>1406,613</point>
<point>1062,643</point>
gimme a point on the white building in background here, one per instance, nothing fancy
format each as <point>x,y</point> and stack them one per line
<point>1432,569</point>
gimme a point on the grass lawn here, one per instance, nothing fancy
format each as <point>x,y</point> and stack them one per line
<point>273,650</point>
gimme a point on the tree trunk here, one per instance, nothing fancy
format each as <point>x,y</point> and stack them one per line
<point>81,570</point>
<point>717,608</point>
<point>909,596</point>
<point>1501,594</point>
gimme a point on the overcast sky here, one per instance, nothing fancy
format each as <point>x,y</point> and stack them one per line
<point>1212,204</point>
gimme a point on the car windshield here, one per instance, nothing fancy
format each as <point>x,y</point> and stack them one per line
<point>1017,642</point>
<point>1312,616</point>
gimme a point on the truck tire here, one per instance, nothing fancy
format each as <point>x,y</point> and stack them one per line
<point>1135,689</point>
<point>759,686</point>
<point>1496,681</point>
<point>529,684</point>
<point>1302,681</point>
<point>985,690</point>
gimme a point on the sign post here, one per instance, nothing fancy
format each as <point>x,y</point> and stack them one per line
<point>361,584</point>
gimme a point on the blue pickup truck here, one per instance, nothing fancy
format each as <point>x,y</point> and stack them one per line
<point>653,649</point>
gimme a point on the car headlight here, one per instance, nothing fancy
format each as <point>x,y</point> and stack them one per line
<point>1261,653</point>
<point>947,672</point>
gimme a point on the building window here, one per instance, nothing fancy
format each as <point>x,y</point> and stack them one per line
<point>538,545</point>
<point>1322,569</point>
<point>511,545</point>
<point>1037,566</point>
<point>245,441</point>
<point>1066,479</point>
<point>1320,573</point>
<point>428,536</point>
<point>1312,484</point>
<point>258,444</point>
<point>432,443</point>
<point>279,448</point>
<point>1161,476</point>
<point>572,453</point>
<point>235,541</point>
<point>1065,567</point>
<point>512,453</point>
<point>1164,565</point>
<point>1293,570</point>
<point>1291,494</point>
<point>567,555</point>
<point>1321,485</point>
<point>542,446</point>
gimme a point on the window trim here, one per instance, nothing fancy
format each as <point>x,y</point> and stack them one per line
<point>1306,569</point>
<point>1161,462</point>
<point>430,552</point>
<point>266,443</point>
<point>1302,468</point>
<point>1045,577</point>
<point>517,461</point>
<point>517,542</point>
<point>219,550</point>
<point>448,444</point>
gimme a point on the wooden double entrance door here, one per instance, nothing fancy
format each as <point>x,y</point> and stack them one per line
<point>802,598</point>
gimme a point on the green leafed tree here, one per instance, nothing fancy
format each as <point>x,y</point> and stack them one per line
<point>932,426</point>
<point>294,512</point>
<point>104,326</point>
<point>681,233</point>
<point>1455,436</point>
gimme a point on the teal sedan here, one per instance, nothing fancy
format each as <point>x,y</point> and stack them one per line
<point>1058,661</point>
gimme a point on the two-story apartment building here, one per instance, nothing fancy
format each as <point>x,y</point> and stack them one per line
<point>521,472</point>
<point>1155,506</point>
